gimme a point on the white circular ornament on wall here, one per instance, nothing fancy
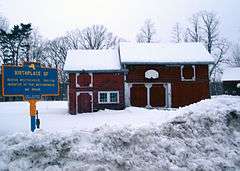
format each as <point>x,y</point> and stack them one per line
<point>151,74</point>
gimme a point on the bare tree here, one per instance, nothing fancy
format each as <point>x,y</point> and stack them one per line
<point>193,30</point>
<point>55,53</point>
<point>221,49</point>
<point>57,50</point>
<point>74,39</point>
<point>185,35</point>
<point>97,37</point>
<point>94,37</point>
<point>210,29</point>
<point>205,28</point>
<point>177,33</point>
<point>215,45</point>
<point>36,46</point>
<point>147,32</point>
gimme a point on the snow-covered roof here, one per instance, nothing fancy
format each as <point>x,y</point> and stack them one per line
<point>166,53</point>
<point>137,53</point>
<point>92,60</point>
<point>231,74</point>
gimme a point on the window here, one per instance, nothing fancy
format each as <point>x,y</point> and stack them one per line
<point>114,97</point>
<point>188,73</point>
<point>103,97</point>
<point>108,97</point>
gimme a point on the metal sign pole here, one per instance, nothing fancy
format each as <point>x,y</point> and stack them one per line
<point>33,111</point>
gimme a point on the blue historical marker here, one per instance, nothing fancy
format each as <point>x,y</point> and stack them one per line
<point>31,81</point>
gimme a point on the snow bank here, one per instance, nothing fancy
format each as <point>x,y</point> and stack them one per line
<point>206,137</point>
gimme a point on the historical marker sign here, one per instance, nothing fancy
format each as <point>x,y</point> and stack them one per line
<point>30,81</point>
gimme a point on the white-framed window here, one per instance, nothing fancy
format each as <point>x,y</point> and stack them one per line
<point>102,97</point>
<point>108,97</point>
<point>190,75</point>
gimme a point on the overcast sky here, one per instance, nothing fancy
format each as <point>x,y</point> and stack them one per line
<point>123,17</point>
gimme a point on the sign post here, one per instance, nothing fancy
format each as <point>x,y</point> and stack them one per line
<point>32,82</point>
<point>33,111</point>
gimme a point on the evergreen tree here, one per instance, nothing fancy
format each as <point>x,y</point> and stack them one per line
<point>15,44</point>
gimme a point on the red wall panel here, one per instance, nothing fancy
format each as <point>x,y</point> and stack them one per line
<point>183,92</point>
<point>138,95</point>
<point>84,80</point>
<point>157,95</point>
<point>108,82</point>
<point>101,82</point>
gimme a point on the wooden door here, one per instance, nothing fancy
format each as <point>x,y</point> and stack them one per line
<point>84,103</point>
<point>157,95</point>
<point>138,95</point>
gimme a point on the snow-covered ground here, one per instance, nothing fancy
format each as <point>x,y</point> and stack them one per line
<point>14,117</point>
<point>202,136</point>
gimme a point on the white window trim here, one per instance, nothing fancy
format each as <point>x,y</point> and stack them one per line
<point>99,97</point>
<point>194,74</point>
<point>76,77</point>
<point>108,97</point>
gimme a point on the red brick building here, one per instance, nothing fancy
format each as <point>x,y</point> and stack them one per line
<point>142,75</point>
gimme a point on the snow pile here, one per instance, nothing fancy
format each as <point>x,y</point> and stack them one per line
<point>206,137</point>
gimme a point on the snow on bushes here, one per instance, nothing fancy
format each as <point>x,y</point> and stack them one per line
<point>205,137</point>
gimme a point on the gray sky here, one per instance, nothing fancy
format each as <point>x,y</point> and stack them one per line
<point>123,17</point>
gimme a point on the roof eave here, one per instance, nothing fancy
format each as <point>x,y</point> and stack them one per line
<point>231,80</point>
<point>169,63</point>
<point>95,71</point>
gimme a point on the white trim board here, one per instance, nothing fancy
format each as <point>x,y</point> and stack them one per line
<point>194,74</point>
<point>167,87</point>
